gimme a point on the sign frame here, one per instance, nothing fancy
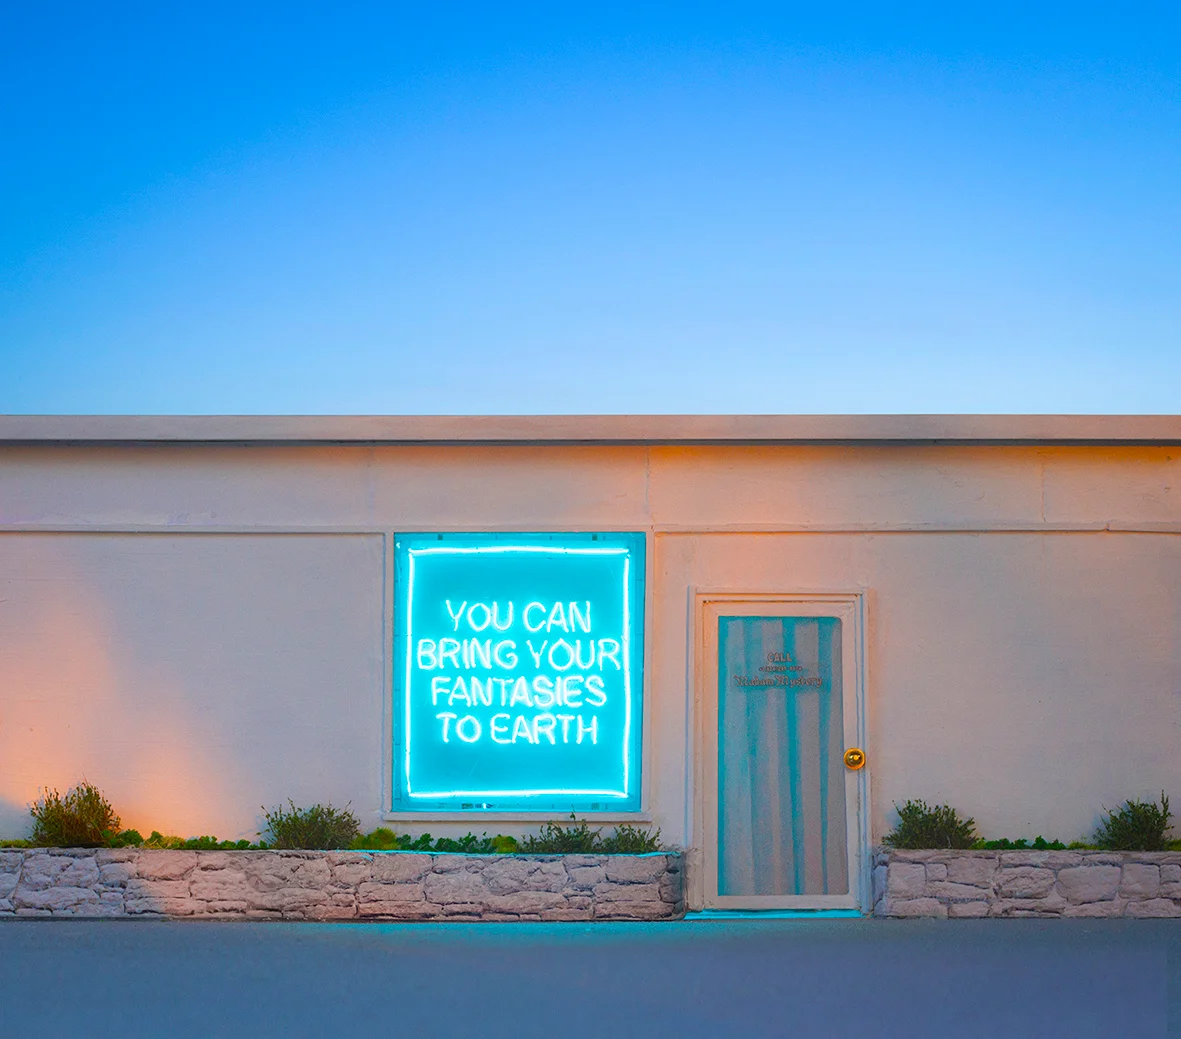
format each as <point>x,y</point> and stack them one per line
<point>412,551</point>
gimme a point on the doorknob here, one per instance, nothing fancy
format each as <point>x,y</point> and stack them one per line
<point>854,758</point>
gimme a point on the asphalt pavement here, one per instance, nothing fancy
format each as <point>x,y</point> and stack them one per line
<point>804,978</point>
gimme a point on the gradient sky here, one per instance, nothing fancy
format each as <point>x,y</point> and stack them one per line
<point>605,208</point>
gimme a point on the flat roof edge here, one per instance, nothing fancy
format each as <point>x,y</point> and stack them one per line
<point>589,429</point>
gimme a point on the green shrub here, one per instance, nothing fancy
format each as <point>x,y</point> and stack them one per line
<point>1137,826</point>
<point>125,839</point>
<point>631,840</point>
<point>381,839</point>
<point>81,819</point>
<point>920,826</point>
<point>384,839</point>
<point>319,828</point>
<point>1039,843</point>
<point>564,839</point>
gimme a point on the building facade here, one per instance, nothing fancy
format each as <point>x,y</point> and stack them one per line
<point>479,624</point>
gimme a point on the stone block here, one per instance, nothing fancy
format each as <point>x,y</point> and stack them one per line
<point>1013,859</point>
<point>219,884</point>
<point>374,892</point>
<point>949,891</point>
<point>1062,859</point>
<point>116,874</point>
<point>977,870</point>
<point>1024,881</point>
<point>43,870</point>
<point>501,918</point>
<point>1139,880</point>
<point>1154,908</point>
<point>54,899</point>
<point>165,865</point>
<point>672,888</point>
<point>446,862</point>
<point>525,902</point>
<point>105,856</point>
<point>399,910</point>
<point>879,881</point>
<point>633,911</point>
<point>215,860</point>
<point>314,873</point>
<point>331,912</point>
<point>138,887</point>
<point>505,876</point>
<point>563,913</point>
<point>635,869</point>
<point>352,874</point>
<point>1089,883</point>
<point>1170,874</point>
<point>906,880</point>
<point>450,888</point>
<point>1112,908</point>
<point>925,855</point>
<point>573,861</point>
<point>968,909</point>
<point>397,866</point>
<point>160,906</point>
<point>8,882</point>
<point>465,910</point>
<point>609,892</point>
<point>586,876</point>
<point>288,899</point>
<point>915,907</point>
<point>10,861</point>
<point>936,871</point>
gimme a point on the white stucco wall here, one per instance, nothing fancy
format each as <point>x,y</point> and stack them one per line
<point>201,629</point>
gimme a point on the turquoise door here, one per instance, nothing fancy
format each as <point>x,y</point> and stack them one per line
<point>786,809</point>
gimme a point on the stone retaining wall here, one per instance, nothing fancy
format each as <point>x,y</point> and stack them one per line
<point>1027,883</point>
<point>344,885</point>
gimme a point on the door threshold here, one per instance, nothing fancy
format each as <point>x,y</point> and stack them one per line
<point>773,914</point>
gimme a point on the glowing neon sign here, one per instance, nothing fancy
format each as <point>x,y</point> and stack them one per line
<point>518,667</point>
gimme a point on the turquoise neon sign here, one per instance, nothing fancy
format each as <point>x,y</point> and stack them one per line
<point>518,671</point>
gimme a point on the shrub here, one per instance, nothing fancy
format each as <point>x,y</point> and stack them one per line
<point>81,819</point>
<point>384,839</point>
<point>565,839</point>
<point>319,828</point>
<point>1039,843</point>
<point>1137,826</point>
<point>920,826</point>
<point>631,840</point>
<point>381,839</point>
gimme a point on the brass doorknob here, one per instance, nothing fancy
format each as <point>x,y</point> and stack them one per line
<point>854,758</point>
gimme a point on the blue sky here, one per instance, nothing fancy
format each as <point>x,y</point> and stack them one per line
<point>614,208</point>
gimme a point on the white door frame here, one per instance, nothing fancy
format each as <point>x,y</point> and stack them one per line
<point>850,608</point>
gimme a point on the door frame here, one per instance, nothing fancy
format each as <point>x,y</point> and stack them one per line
<point>850,608</point>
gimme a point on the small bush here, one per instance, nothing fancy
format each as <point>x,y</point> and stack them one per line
<point>564,839</point>
<point>81,819</point>
<point>920,826</point>
<point>384,839</point>
<point>319,828</point>
<point>631,840</point>
<point>381,839</point>
<point>1137,826</point>
<point>1039,843</point>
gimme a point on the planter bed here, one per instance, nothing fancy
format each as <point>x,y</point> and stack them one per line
<point>338,885</point>
<point>1027,883</point>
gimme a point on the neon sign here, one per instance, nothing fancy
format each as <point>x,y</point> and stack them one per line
<point>518,671</point>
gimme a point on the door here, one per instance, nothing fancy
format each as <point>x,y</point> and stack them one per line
<point>782,702</point>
